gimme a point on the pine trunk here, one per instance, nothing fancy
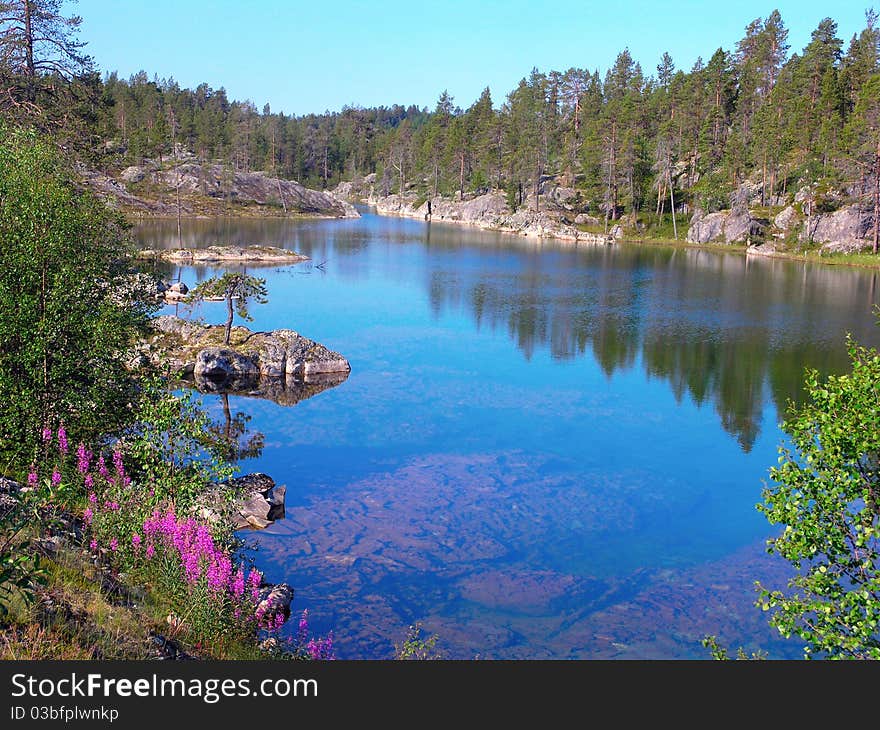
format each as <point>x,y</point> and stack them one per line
<point>228,317</point>
<point>874,248</point>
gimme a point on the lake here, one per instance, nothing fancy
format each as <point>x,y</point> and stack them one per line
<point>543,450</point>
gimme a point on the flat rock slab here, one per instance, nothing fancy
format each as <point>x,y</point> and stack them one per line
<point>225,254</point>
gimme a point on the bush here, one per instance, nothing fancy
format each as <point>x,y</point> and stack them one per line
<point>826,494</point>
<point>65,335</point>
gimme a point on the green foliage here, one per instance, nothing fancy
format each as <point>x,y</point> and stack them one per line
<point>236,289</point>
<point>65,331</point>
<point>826,494</point>
<point>713,192</point>
<point>173,446</point>
<point>719,653</point>
<point>20,573</point>
<point>416,646</point>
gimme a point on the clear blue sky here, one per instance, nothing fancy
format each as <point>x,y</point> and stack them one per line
<point>313,56</point>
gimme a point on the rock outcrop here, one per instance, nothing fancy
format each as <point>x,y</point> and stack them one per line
<point>844,231</point>
<point>280,365</point>
<point>491,212</point>
<point>736,226</point>
<point>256,502</point>
<point>825,221</point>
<point>210,189</point>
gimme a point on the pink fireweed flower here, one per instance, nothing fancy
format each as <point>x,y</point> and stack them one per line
<point>93,498</point>
<point>303,630</point>
<point>102,467</point>
<point>321,648</point>
<point>150,551</point>
<point>136,541</point>
<point>56,477</point>
<point>255,578</point>
<point>89,481</point>
<point>279,620</point>
<point>93,545</point>
<point>47,434</point>
<point>87,515</point>
<point>114,543</point>
<point>237,584</point>
<point>62,440</point>
<point>83,459</point>
<point>117,462</point>
<point>32,478</point>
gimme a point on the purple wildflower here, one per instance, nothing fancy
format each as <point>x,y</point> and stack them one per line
<point>32,478</point>
<point>83,459</point>
<point>102,467</point>
<point>56,477</point>
<point>237,585</point>
<point>47,434</point>
<point>88,515</point>
<point>114,543</point>
<point>117,462</point>
<point>321,648</point>
<point>93,545</point>
<point>255,578</point>
<point>62,440</point>
<point>303,630</point>
<point>136,541</point>
<point>150,551</point>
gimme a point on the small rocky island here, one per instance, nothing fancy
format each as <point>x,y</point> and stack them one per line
<point>226,254</point>
<point>280,365</point>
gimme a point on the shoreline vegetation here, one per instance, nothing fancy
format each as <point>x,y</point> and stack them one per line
<point>106,546</point>
<point>119,513</point>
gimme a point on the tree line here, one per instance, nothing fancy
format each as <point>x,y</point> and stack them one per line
<point>628,142</point>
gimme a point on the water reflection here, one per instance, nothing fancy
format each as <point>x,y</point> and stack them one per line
<point>542,450</point>
<point>726,329</point>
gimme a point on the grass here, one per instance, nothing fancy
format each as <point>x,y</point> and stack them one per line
<point>81,613</point>
<point>85,612</point>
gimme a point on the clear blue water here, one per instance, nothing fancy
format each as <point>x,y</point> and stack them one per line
<point>543,450</point>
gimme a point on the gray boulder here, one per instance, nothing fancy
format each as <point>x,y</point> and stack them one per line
<point>274,601</point>
<point>741,227</point>
<point>223,363</point>
<point>845,230</point>
<point>786,218</point>
<point>257,502</point>
<point>133,174</point>
<point>705,228</point>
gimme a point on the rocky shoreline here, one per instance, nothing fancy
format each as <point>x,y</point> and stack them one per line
<point>785,231</point>
<point>209,189</point>
<point>224,254</point>
<point>556,215</point>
